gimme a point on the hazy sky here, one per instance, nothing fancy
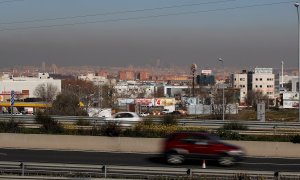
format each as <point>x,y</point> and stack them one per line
<point>137,32</point>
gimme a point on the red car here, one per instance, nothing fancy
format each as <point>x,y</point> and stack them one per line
<point>203,146</point>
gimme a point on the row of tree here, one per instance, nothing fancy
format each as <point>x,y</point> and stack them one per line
<point>79,95</point>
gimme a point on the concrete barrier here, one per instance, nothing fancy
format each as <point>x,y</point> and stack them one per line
<point>126,144</point>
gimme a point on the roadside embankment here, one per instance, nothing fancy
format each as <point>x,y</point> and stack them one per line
<point>127,144</point>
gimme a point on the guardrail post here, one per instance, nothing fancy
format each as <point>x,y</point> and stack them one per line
<point>22,165</point>
<point>276,175</point>
<point>189,172</point>
<point>104,170</point>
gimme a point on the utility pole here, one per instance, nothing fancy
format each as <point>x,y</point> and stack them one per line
<point>223,98</point>
<point>99,95</point>
<point>297,6</point>
<point>282,63</point>
<point>193,70</point>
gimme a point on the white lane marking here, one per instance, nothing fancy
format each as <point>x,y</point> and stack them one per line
<point>277,164</point>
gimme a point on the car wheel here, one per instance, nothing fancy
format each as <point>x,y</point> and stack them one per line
<point>175,158</point>
<point>226,161</point>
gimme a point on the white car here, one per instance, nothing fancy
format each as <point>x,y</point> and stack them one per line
<point>125,119</point>
<point>144,114</point>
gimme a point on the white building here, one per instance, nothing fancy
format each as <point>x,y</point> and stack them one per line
<point>290,79</point>
<point>263,80</point>
<point>97,80</point>
<point>240,81</point>
<point>24,87</point>
<point>171,91</point>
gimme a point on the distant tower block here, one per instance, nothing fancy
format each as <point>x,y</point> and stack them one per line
<point>43,66</point>
<point>54,68</point>
<point>157,62</point>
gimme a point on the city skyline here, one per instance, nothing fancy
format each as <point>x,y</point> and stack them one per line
<point>260,33</point>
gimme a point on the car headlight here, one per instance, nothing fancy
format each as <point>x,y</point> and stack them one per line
<point>236,152</point>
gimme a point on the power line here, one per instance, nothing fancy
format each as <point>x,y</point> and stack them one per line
<point>114,13</point>
<point>145,17</point>
<point>8,1</point>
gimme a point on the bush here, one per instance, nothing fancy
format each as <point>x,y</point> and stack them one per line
<point>169,120</point>
<point>9,127</point>
<point>295,139</point>
<point>111,129</point>
<point>234,126</point>
<point>158,130</point>
<point>228,135</point>
<point>49,125</point>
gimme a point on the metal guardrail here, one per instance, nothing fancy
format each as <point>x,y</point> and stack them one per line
<point>23,169</point>
<point>255,127</point>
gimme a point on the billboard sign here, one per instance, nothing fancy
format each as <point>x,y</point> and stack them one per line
<point>290,100</point>
<point>206,72</point>
<point>144,101</point>
<point>125,101</point>
<point>165,101</point>
<point>263,71</point>
<point>190,100</point>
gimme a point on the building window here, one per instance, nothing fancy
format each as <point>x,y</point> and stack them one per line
<point>244,92</point>
<point>260,86</point>
<point>256,86</point>
<point>242,79</point>
<point>260,79</point>
<point>256,79</point>
<point>234,79</point>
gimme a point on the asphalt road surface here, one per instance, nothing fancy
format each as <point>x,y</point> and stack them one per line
<point>133,159</point>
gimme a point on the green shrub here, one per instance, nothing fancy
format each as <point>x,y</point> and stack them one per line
<point>111,129</point>
<point>9,127</point>
<point>234,126</point>
<point>228,135</point>
<point>48,124</point>
<point>295,139</point>
<point>169,120</point>
<point>83,122</point>
<point>158,130</point>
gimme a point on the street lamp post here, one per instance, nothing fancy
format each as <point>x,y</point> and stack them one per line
<point>223,98</point>
<point>297,6</point>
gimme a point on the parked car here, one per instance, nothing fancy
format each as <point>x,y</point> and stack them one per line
<point>144,114</point>
<point>177,113</point>
<point>166,111</point>
<point>203,146</point>
<point>125,119</point>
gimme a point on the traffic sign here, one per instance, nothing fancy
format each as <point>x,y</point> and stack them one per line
<point>12,97</point>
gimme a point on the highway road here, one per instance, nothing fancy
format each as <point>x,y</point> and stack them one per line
<point>133,159</point>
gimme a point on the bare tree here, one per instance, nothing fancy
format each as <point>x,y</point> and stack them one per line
<point>109,96</point>
<point>85,91</point>
<point>217,102</point>
<point>46,92</point>
<point>253,97</point>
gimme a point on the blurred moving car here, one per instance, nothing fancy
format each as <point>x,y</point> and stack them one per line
<point>203,146</point>
<point>124,119</point>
